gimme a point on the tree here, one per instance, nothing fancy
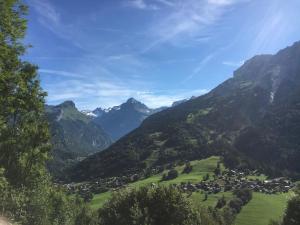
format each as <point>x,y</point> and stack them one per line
<point>292,214</point>
<point>236,205</point>
<point>24,133</point>
<point>26,191</point>
<point>221,202</point>
<point>172,174</point>
<point>149,206</point>
<point>217,170</point>
<point>187,168</point>
<point>206,177</point>
<point>244,194</point>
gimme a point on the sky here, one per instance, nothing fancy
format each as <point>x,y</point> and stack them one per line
<point>99,53</point>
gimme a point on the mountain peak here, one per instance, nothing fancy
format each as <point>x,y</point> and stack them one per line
<point>68,104</point>
<point>132,101</point>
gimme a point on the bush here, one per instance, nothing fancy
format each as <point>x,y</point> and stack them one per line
<point>149,206</point>
<point>206,177</point>
<point>217,170</point>
<point>188,168</point>
<point>172,174</point>
<point>244,194</point>
<point>292,214</point>
<point>221,202</point>
<point>236,205</point>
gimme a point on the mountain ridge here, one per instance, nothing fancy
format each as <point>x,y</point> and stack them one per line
<point>73,136</point>
<point>250,119</point>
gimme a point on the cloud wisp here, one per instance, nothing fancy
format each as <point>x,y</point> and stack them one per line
<point>141,4</point>
<point>188,20</point>
<point>102,92</point>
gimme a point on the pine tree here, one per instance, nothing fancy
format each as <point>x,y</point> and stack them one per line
<point>24,134</point>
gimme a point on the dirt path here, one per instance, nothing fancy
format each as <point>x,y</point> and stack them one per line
<point>3,221</point>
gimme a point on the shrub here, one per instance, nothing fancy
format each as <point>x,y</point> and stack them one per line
<point>188,168</point>
<point>206,177</point>
<point>149,206</point>
<point>236,205</point>
<point>292,214</point>
<point>244,194</point>
<point>221,202</point>
<point>217,170</point>
<point>172,174</point>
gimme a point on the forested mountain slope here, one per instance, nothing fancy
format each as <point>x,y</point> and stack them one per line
<point>73,135</point>
<point>252,119</point>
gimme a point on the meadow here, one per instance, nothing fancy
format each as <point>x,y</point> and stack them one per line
<point>259,211</point>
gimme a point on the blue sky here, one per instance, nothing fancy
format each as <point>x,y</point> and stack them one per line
<point>101,52</point>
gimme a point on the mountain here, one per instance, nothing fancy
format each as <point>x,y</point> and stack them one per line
<point>119,120</point>
<point>176,103</point>
<point>252,120</point>
<point>73,135</point>
<point>122,119</point>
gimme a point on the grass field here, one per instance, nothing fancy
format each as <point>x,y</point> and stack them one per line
<point>262,208</point>
<point>99,200</point>
<point>259,211</point>
<point>200,168</point>
<point>212,199</point>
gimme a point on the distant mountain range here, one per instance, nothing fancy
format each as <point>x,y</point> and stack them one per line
<point>73,135</point>
<point>252,120</point>
<point>122,119</point>
<point>76,135</point>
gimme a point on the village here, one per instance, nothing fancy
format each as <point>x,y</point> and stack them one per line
<point>238,180</point>
<point>227,181</point>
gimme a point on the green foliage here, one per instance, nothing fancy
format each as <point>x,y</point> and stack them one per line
<point>292,213</point>
<point>188,168</point>
<point>206,177</point>
<point>243,194</point>
<point>153,206</point>
<point>218,170</point>
<point>172,174</point>
<point>236,205</point>
<point>26,192</point>
<point>221,202</point>
<point>23,130</point>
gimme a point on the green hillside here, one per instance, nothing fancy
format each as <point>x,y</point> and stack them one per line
<point>252,119</point>
<point>259,211</point>
<point>200,168</point>
<point>262,208</point>
<point>73,136</point>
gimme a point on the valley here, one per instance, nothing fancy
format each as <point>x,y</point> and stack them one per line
<point>149,112</point>
<point>208,197</point>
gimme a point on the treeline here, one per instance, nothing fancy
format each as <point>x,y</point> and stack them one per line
<point>159,205</point>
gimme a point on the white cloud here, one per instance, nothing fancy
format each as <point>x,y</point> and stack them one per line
<point>200,66</point>
<point>94,92</point>
<point>188,20</point>
<point>46,10</point>
<point>167,2</point>
<point>50,17</point>
<point>141,4</point>
<point>60,73</point>
<point>233,63</point>
<point>221,2</point>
